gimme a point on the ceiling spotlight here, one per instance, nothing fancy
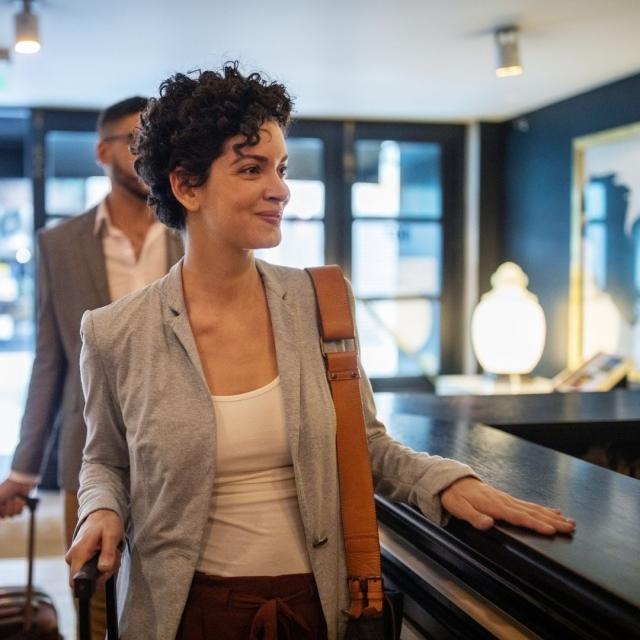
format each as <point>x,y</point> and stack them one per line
<point>27,40</point>
<point>507,48</point>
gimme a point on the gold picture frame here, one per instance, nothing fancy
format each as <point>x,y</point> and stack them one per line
<point>582,146</point>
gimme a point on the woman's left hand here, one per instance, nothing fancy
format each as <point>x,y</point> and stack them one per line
<point>481,505</point>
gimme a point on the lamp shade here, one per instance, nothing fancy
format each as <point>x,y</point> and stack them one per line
<point>27,38</point>
<point>508,327</point>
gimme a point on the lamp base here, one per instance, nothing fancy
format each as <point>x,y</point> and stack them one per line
<point>491,384</point>
<point>513,380</point>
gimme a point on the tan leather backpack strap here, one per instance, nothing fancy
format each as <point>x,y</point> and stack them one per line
<point>359,524</point>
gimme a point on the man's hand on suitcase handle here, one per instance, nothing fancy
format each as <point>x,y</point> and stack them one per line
<point>12,495</point>
<point>100,534</point>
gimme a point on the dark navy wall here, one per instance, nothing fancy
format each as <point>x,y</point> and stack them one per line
<point>537,196</point>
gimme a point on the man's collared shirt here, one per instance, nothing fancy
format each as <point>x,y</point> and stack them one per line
<point>125,274</point>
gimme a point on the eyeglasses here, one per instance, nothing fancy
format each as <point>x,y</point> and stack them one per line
<point>128,137</point>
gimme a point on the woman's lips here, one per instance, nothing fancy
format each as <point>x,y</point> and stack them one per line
<point>272,217</point>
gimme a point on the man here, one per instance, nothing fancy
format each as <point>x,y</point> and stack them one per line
<point>84,263</point>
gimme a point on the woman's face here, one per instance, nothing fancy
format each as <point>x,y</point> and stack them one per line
<point>242,201</point>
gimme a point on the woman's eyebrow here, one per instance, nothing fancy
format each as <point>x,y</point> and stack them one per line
<point>256,157</point>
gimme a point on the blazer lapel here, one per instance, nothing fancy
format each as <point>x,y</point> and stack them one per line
<point>177,318</point>
<point>89,244</point>
<point>284,324</point>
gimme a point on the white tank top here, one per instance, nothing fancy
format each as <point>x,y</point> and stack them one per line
<point>254,526</point>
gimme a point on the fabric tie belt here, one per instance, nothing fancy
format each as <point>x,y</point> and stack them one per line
<point>274,618</point>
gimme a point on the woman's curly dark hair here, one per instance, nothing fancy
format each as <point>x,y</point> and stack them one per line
<point>187,126</point>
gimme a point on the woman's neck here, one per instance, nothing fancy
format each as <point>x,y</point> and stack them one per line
<point>217,274</point>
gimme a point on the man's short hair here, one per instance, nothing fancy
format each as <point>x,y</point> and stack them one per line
<point>120,110</point>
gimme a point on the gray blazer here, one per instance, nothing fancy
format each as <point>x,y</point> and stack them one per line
<point>71,279</point>
<point>151,442</point>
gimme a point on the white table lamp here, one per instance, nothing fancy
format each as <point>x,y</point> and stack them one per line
<point>508,328</point>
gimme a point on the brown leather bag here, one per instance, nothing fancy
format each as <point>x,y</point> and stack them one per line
<point>372,613</point>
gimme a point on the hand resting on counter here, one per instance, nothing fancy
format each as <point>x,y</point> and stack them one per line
<point>481,505</point>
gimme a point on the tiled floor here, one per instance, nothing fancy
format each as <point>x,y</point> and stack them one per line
<point>50,569</point>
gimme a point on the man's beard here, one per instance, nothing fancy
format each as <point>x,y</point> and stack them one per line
<point>128,182</point>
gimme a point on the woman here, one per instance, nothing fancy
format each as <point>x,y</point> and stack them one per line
<point>210,424</point>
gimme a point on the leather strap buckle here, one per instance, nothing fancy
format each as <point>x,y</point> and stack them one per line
<point>364,600</point>
<point>342,365</point>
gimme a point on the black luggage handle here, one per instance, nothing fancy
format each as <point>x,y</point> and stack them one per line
<point>32,502</point>
<point>84,586</point>
<point>84,582</point>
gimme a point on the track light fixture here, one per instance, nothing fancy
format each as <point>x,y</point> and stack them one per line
<point>27,40</point>
<point>507,50</point>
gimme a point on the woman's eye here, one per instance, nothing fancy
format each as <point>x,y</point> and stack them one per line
<point>250,170</point>
<point>283,171</point>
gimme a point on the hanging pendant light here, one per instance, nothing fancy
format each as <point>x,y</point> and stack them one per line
<point>27,39</point>
<point>507,51</point>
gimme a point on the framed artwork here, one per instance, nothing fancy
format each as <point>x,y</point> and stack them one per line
<point>604,297</point>
<point>602,372</point>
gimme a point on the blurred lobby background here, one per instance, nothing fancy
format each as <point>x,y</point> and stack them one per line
<point>412,164</point>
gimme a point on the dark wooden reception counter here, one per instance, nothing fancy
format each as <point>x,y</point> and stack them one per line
<point>556,418</point>
<point>507,582</point>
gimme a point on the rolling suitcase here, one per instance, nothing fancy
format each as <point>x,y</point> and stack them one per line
<point>25,612</point>
<point>84,586</point>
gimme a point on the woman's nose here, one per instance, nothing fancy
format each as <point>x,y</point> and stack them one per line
<point>279,190</point>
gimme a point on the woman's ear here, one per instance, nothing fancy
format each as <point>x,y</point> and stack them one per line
<point>185,193</point>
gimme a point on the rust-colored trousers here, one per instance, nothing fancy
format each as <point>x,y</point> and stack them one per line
<point>253,608</point>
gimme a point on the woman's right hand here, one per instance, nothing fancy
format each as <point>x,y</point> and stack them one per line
<point>102,531</point>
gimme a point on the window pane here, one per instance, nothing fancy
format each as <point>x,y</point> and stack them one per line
<point>71,154</point>
<point>306,157</point>
<point>16,304</point>
<point>71,196</point>
<point>302,245</point>
<point>397,179</point>
<point>399,337</point>
<point>305,178</point>
<point>307,199</point>
<point>74,181</point>
<point>391,258</point>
